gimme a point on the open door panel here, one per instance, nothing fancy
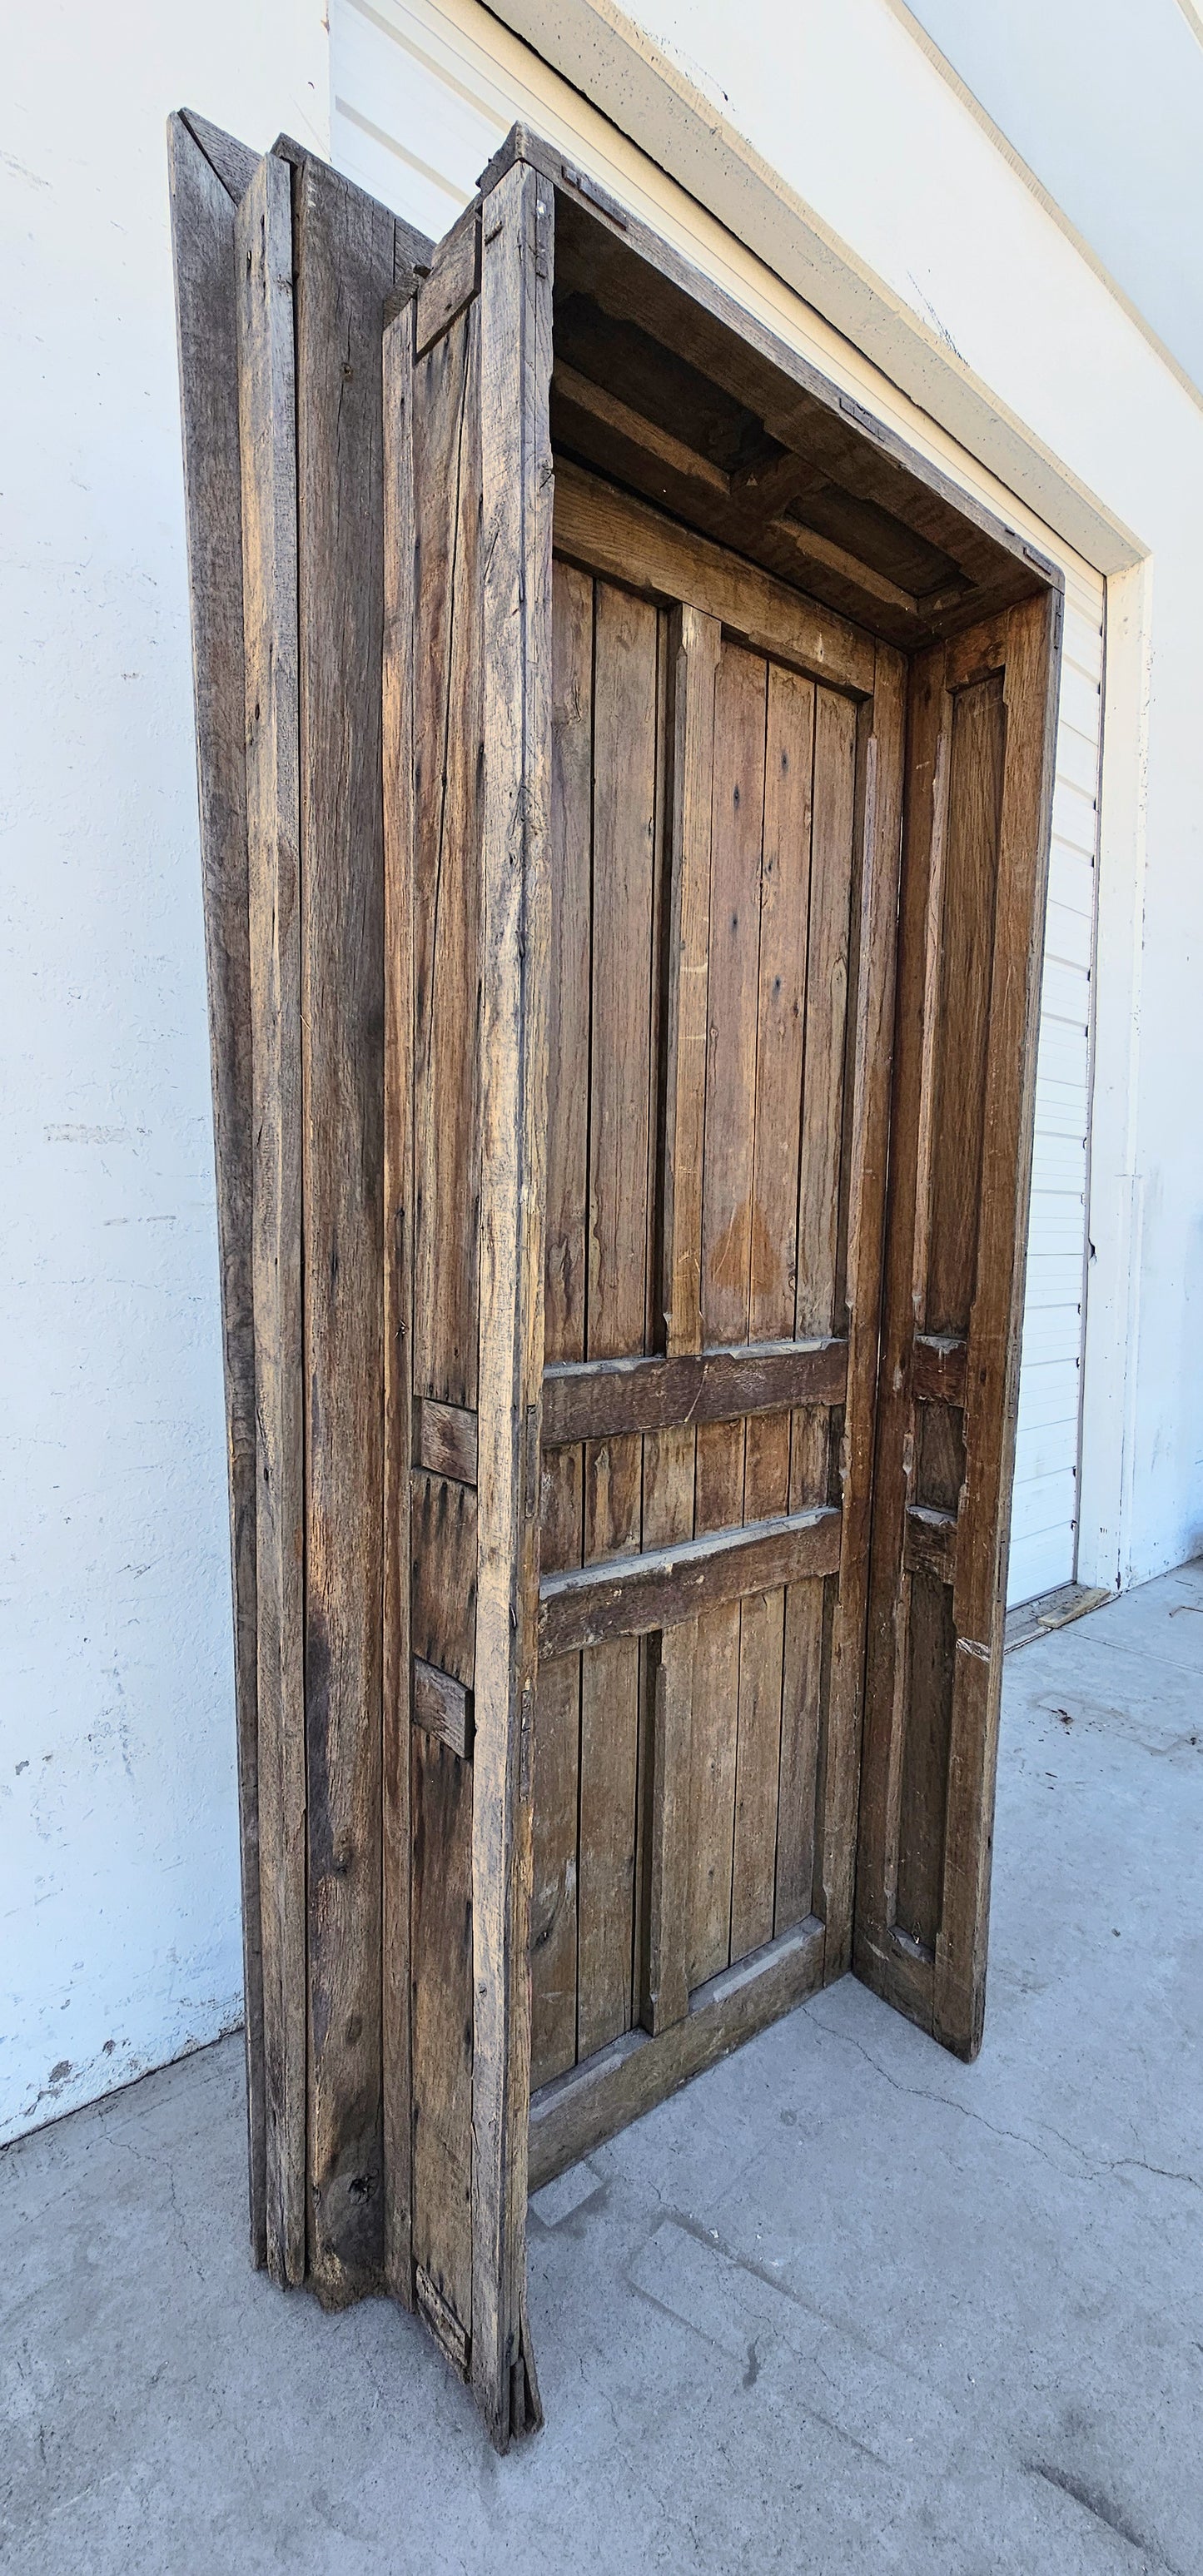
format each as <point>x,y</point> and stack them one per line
<point>979,783</point>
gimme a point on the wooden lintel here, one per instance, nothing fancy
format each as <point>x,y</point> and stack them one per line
<point>574,2113</point>
<point>443,1707</point>
<point>445,1440</point>
<point>938,1368</point>
<point>602,1399</point>
<point>629,1596</point>
<point>931,1543</point>
<point>629,541</point>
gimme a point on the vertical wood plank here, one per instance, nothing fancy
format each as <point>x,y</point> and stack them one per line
<point>866,1129</point>
<point>694,645</point>
<point>345,247</point>
<point>806,1682</point>
<point>202,225</point>
<point>557,1705</point>
<point>785,874</point>
<point>267,410</point>
<point>447,775</point>
<point>397,749</point>
<point>516,263</point>
<point>624,820</point>
<point>448,739</point>
<point>737,828</point>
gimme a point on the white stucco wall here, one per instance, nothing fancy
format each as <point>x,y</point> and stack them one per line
<point>119,1941</point>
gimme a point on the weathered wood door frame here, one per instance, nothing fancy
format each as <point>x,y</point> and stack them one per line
<point>384,1498</point>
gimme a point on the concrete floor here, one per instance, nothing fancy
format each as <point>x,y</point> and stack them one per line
<point>843,2305</point>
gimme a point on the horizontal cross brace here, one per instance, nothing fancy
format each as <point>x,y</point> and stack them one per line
<point>626,1596</point>
<point>601,1399</point>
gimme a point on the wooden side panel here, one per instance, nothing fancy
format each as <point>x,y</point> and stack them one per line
<point>203,197</point>
<point>344,248</point>
<point>267,405</point>
<point>970,946</point>
<point>396,1817</point>
<point>445,975</point>
<point>515,303</point>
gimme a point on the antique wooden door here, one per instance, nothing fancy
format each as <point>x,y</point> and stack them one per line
<point>726,796</point>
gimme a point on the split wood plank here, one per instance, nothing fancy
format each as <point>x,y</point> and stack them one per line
<point>267,416</point>
<point>208,173</point>
<point>345,248</point>
<point>515,309</point>
<point>629,541</point>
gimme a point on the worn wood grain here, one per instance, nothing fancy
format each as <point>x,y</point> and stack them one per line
<point>448,757</point>
<point>345,261</point>
<point>624,819</point>
<point>630,1596</point>
<point>515,309</point>
<point>992,1372</point>
<point>784,884</point>
<point>443,1707</point>
<point>694,648</point>
<point>806,1683</point>
<point>558,1692</point>
<point>451,283</point>
<point>969,951</point>
<point>600,1399</point>
<point>881,737</point>
<point>396,1820</point>
<point>204,185</point>
<point>625,539</point>
<point>267,418</point>
<point>737,824</point>
<point>444,1439</point>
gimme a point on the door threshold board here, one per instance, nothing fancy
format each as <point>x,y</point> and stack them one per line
<point>574,2112</point>
<point>1031,1619</point>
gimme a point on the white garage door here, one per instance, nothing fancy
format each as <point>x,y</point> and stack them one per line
<point>419,107</point>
